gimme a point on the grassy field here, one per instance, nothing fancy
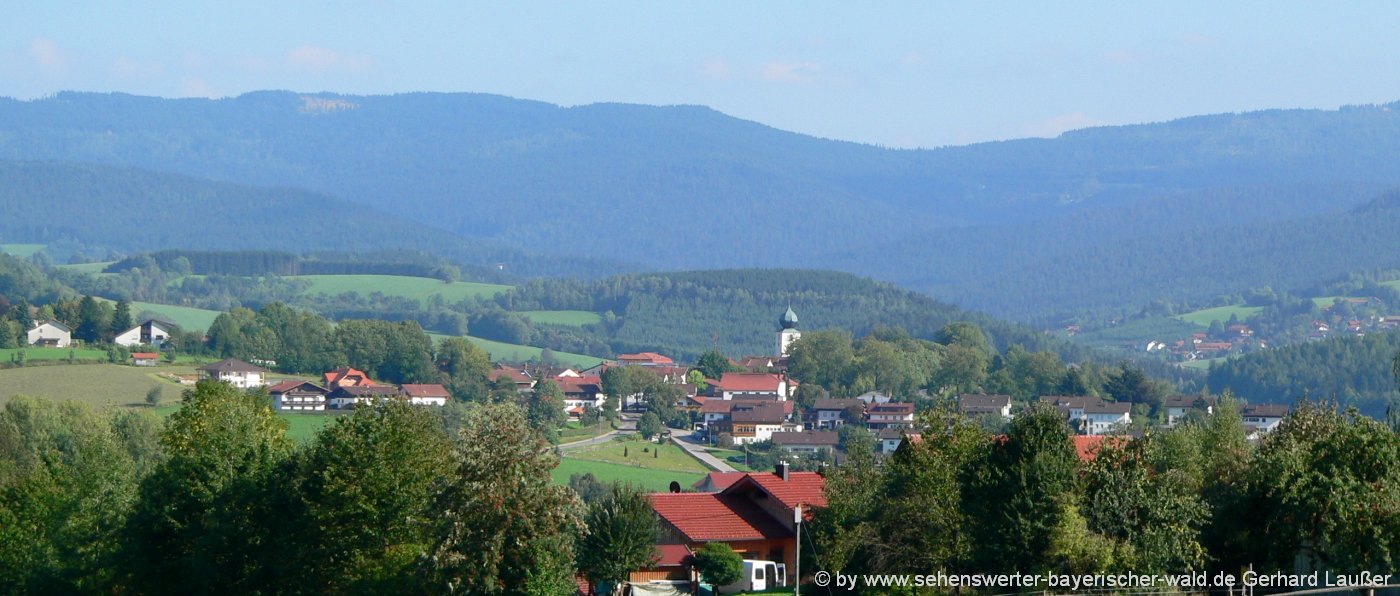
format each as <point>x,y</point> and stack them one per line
<point>301,428</point>
<point>192,319</point>
<point>49,354</point>
<point>98,384</point>
<point>575,318</point>
<point>574,431</point>
<point>21,250</point>
<point>1202,364</point>
<point>1204,317</point>
<point>417,288</point>
<point>649,479</point>
<point>88,267</point>
<point>638,453</point>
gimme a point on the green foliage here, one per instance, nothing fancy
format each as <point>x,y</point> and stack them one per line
<point>545,410</point>
<point>713,364</point>
<point>206,512</point>
<point>718,564</point>
<point>366,495</point>
<point>649,426</point>
<point>619,536</point>
<point>497,506</point>
<point>1355,371</point>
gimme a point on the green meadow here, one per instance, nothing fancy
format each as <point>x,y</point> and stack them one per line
<point>417,288</point>
<point>1205,316</point>
<point>649,479</point>
<point>573,318</point>
<point>21,250</point>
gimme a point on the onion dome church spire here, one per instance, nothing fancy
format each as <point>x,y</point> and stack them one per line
<point>788,333</point>
<point>789,319</point>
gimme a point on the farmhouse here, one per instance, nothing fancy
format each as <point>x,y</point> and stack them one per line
<point>50,334</point>
<point>426,395</point>
<point>811,441</point>
<point>235,372</point>
<point>298,396</point>
<point>764,386</point>
<point>347,397</point>
<point>973,405</point>
<point>754,515</point>
<point>756,421</point>
<point>144,358</point>
<point>1178,406</point>
<point>1263,418</point>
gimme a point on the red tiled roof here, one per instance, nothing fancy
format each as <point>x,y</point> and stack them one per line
<point>750,382</point>
<point>1087,447</point>
<point>651,357</point>
<point>720,480</point>
<point>515,374</point>
<point>433,390</point>
<point>710,517</point>
<point>801,488</point>
<point>282,387</point>
<point>716,406</point>
<point>145,355</point>
<point>340,374</point>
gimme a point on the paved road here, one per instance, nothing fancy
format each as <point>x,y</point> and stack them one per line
<point>698,450</point>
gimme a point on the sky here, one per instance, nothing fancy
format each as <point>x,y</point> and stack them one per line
<point>896,74</point>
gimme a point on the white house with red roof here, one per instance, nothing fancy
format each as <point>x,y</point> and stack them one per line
<point>754,515</point>
<point>426,395</point>
<point>235,372</point>
<point>297,395</point>
<point>765,386</point>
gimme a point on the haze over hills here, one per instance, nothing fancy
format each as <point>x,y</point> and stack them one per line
<point>1037,229</point>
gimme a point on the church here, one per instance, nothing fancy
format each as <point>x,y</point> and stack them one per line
<point>787,333</point>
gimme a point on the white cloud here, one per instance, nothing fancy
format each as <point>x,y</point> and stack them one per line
<point>791,72</point>
<point>47,56</point>
<point>318,59</point>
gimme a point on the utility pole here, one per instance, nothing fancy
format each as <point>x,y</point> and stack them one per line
<point>797,562</point>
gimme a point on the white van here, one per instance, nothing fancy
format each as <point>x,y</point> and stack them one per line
<point>759,575</point>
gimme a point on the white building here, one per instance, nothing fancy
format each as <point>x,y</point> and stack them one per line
<point>1263,418</point>
<point>975,404</point>
<point>298,396</point>
<point>151,333</point>
<point>235,372</point>
<point>426,395</point>
<point>1106,417</point>
<point>788,333</point>
<point>51,334</point>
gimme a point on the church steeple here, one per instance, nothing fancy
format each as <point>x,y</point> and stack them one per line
<point>789,319</point>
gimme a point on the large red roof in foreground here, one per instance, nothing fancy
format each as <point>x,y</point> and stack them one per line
<point>708,517</point>
<point>801,488</point>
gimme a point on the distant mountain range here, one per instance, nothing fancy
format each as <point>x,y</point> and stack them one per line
<point>1040,230</point>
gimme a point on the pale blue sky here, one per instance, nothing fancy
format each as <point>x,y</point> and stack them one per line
<point>902,74</point>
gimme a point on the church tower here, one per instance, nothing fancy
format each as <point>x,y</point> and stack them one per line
<point>788,333</point>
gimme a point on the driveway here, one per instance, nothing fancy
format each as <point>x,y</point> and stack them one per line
<point>697,449</point>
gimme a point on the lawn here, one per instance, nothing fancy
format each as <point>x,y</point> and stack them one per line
<point>98,384</point>
<point>417,288</point>
<point>638,453</point>
<point>649,479</point>
<point>21,250</point>
<point>1204,317</point>
<point>575,431</point>
<point>574,318</point>
<point>725,454</point>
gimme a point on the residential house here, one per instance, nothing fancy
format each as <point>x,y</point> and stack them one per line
<point>754,516</point>
<point>673,566</point>
<point>581,392</point>
<point>833,412</point>
<point>756,421</point>
<point>1263,418</point>
<point>644,359</point>
<point>890,415</point>
<point>1177,406</point>
<point>297,395</point>
<point>522,380</point>
<point>149,333</point>
<point>1102,417</point>
<point>347,377</point>
<point>426,395</point>
<point>977,404</point>
<point>144,358</point>
<point>874,397</point>
<point>764,386</point>
<point>891,438</point>
<point>762,364</point>
<point>235,372</point>
<point>717,481</point>
<point>50,334</point>
<point>810,441</point>
<point>347,397</point>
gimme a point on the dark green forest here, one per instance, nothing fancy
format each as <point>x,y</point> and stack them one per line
<point>1350,370</point>
<point>1038,230</point>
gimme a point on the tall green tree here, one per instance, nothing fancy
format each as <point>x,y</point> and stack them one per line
<point>824,358</point>
<point>498,507</point>
<point>206,515</point>
<point>121,318</point>
<point>619,536</point>
<point>545,409</point>
<point>93,321</point>
<point>713,364</point>
<point>366,494</point>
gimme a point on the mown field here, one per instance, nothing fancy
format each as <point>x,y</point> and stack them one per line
<point>417,288</point>
<point>517,353</point>
<point>574,318</point>
<point>1205,316</point>
<point>52,354</point>
<point>21,250</point>
<point>649,479</point>
<point>301,428</point>
<point>101,385</point>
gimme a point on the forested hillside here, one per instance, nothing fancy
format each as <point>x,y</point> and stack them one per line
<point>1354,371</point>
<point>1037,229</point>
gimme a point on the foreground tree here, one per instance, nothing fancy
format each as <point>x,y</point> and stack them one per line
<point>619,536</point>
<point>206,515</point>
<point>499,509</point>
<point>718,564</point>
<point>366,494</point>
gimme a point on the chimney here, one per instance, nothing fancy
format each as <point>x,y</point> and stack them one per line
<point>782,470</point>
